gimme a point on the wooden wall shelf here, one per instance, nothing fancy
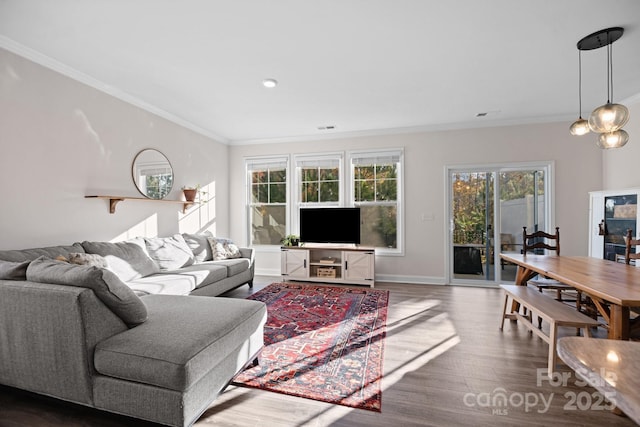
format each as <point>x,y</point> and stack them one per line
<point>114,200</point>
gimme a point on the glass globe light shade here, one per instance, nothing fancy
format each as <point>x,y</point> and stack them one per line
<point>615,139</point>
<point>579,127</point>
<point>608,118</point>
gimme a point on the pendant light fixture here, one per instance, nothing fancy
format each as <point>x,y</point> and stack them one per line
<point>615,139</point>
<point>580,126</point>
<point>608,119</point>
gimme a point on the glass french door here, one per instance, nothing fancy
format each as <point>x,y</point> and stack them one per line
<point>488,209</point>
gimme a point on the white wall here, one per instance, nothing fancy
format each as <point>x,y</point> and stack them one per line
<point>578,170</point>
<point>621,166</point>
<point>61,140</point>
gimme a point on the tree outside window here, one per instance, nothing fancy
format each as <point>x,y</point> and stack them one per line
<point>158,186</point>
<point>319,184</point>
<point>268,204</point>
<point>376,187</point>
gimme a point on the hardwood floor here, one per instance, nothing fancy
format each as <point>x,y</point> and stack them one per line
<point>445,360</point>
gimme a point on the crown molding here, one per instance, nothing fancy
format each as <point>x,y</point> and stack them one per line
<point>72,73</point>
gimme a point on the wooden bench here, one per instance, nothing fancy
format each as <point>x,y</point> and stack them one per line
<point>550,310</point>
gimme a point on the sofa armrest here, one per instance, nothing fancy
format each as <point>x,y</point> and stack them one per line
<point>248,253</point>
<point>49,334</point>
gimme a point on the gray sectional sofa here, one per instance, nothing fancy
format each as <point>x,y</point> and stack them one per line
<point>143,334</point>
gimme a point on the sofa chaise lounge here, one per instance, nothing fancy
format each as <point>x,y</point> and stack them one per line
<point>161,353</point>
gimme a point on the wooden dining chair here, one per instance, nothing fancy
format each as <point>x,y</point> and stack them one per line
<point>537,242</point>
<point>540,240</point>
<point>629,243</point>
<point>629,255</point>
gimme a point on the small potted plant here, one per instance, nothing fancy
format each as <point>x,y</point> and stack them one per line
<point>291,240</point>
<point>191,193</point>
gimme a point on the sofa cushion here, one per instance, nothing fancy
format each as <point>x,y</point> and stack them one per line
<point>223,249</point>
<point>233,266</point>
<point>179,282</point>
<point>169,253</point>
<point>128,260</point>
<point>199,245</point>
<point>202,274</point>
<point>105,284</point>
<point>20,255</point>
<point>165,284</point>
<point>184,338</point>
<point>10,270</point>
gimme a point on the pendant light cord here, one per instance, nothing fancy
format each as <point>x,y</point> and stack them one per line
<point>580,84</point>
<point>611,68</point>
<point>609,80</point>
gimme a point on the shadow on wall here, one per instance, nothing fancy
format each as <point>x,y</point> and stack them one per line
<point>202,215</point>
<point>148,227</point>
<point>199,217</point>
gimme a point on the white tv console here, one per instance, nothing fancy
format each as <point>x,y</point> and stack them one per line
<point>328,264</point>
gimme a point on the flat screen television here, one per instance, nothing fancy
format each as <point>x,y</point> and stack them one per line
<point>330,225</point>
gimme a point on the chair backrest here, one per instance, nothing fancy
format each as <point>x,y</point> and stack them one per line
<point>540,240</point>
<point>629,242</point>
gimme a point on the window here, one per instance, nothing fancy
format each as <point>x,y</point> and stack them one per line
<point>377,189</point>
<point>373,183</point>
<point>267,194</point>
<point>318,183</point>
<point>319,180</point>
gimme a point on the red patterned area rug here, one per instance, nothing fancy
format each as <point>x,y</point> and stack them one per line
<point>322,342</point>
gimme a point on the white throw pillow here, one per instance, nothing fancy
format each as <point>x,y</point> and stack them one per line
<point>223,249</point>
<point>170,253</point>
<point>199,245</point>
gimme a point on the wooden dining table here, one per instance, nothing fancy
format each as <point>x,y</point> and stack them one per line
<point>613,287</point>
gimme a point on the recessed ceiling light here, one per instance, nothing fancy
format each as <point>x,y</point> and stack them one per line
<point>270,83</point>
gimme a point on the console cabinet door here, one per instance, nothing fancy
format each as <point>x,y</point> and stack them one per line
<point>359,265</point>
<point>294,263</point>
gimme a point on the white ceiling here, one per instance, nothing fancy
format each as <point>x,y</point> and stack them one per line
<point>363,66</point>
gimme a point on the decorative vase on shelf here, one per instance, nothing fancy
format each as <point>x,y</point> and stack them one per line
<point>190,194</point>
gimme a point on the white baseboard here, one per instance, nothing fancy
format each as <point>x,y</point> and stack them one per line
<point>414,280</point>
<point>271,272</point>
<point>391,278</point>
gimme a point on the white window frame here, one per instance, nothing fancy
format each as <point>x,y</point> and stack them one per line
<point>250,163</point>
<point>399,152</point>
<point>297,183</point>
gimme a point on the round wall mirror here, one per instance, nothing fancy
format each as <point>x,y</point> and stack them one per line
<point>152,174</point>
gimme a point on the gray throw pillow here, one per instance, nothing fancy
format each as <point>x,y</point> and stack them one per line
<point>108,288</point>
<point>170,253</point>
<point>20,255</point>
<point>10,270</point>
<point>128,259</point>
<point>199,245</point>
